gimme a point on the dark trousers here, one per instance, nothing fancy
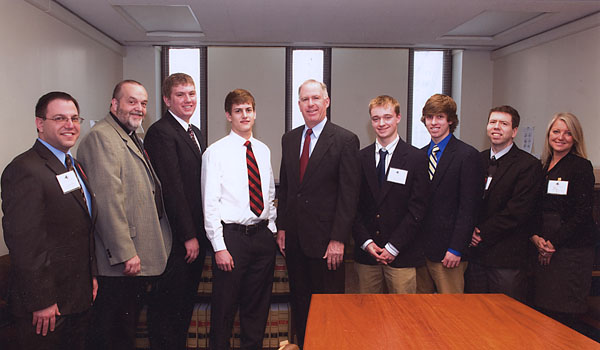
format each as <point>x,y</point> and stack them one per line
<point>309,276</point>
<point>485,279</point>
<point>116,311</point>
<point>247,287</point>
<point>175,294</point>
<point>69,333</point>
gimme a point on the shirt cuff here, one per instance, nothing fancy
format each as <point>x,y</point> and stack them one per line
<point>218,243</point>
<point>390,248</point>
<point>364,245</point>
<point>455,252</point>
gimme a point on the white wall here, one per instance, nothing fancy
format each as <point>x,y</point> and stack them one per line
<point>559,76</point>
<point>260,71</point>
<point>47,55</point>
<point>357,76</point>
<point>475,96</point>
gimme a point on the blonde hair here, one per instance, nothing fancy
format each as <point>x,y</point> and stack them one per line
<point>576,132</point>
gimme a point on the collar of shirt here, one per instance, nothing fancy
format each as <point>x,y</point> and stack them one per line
<point>501,153</point>
<point>441,145</point>
<point>389,148</point>
<point>237,139</point>
<point>58,153</point>
<point>316,132</point>
<point>185,125</point>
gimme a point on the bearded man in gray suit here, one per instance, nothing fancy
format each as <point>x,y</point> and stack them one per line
<point>133,238</point>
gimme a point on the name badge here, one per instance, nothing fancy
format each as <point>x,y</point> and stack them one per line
<point>397,176</point>
<point>558,187</point>
<point>68,181</point>
<point>488,182</point>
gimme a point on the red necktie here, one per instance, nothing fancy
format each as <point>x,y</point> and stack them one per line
<point>256,199</point>
<point>305,150</point>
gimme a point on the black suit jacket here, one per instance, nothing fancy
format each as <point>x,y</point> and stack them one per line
<point>509,209</point>
<point>48,234</point>
<point>178,164</point>
<point>393,212</point>
<point>455,197</point>
<point>321,207</point>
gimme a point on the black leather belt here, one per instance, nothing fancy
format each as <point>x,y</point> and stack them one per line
<point>248,230</point>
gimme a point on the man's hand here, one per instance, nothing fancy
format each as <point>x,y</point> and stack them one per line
<point>334,254</point>
<point>374,250</point>
<point>281,241</point>
<point>475,238</point>
<point>94,288</point>
<point>192,248</point>
<point>132,266</point>
<point>224,260</point>
<point>545,249</point>
<point>44,319</point>
<point>451,261</point>
<point>386,257</point>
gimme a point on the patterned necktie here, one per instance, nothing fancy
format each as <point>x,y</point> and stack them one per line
<point>256,198</point>
<point>433,161</point>
<point>193,137</point>
<point>305,150</point>
<point>381,166</point>
<point>70,167</point>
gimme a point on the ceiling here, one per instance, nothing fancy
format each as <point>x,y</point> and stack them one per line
<point>475,24</point>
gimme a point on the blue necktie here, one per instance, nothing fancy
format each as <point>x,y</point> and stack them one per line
<point>381,166</point>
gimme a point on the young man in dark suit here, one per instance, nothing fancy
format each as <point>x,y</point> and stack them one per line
<point>512,188</point>
<point>318,194</point>
<point>456,176</point>
<point>392,203</point>
<point>175,151</point>
<point>49,212</point>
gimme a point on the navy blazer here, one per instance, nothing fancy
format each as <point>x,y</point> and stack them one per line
<point>454,200</point>
<point>392,213</point>
<point>321,207</point>
<point>510,207</point>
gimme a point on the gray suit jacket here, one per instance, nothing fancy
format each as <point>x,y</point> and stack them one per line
<point>128,222</point>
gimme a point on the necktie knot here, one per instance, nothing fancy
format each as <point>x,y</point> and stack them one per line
<point>309,132</point>
<point>247,144</point>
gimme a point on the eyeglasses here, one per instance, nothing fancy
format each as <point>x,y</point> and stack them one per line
<point>61,119</point>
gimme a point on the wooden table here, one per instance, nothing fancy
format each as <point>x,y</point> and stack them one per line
<point>433,321</point>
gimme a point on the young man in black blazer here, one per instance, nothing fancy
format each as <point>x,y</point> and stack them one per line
<point>512,188</point>
<point>392,202</point>
<point>456,189</point>
<point>174,147</point>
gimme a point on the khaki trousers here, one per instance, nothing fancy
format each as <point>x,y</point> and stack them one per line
<point>434,277</point>
<point>398,280</point>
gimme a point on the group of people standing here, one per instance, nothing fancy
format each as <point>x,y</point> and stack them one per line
<point>128,223</point>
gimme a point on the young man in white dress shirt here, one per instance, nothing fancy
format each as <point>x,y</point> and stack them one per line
<point>238,193</point>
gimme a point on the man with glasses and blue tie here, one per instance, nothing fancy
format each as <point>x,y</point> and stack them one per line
<point>49,212</point>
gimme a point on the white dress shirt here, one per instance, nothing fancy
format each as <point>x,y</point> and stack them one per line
<point>225,192</point>
<point>314,137</point>
<point>390,148</point>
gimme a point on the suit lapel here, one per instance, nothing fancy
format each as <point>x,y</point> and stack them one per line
<point>183,134</point>
<point>369,169</point>
<point>87,185</point>
<point>58,168</point>
<point>323,143</point>
<point>444,163</point>
<point>398,161</point>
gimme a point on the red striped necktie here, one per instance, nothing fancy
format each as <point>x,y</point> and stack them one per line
<point>256,199</point>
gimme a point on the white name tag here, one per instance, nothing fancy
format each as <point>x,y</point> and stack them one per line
<point>397,176</point>
<point>68,181</point>
<point>558,187</point>
<point>488,182</point>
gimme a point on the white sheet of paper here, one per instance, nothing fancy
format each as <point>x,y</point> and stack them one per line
<point>68,181</point>
<point>488,182</point>
<point>397,175</point>
<point>558,187</point>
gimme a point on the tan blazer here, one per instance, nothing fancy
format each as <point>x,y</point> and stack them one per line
<point>128,223</point>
